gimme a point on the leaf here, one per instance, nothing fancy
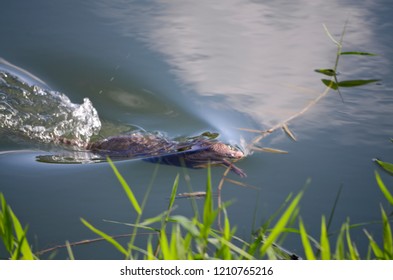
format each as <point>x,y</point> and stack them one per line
<point>126,188</point>
<point>387,235</point>
<point>306,243</point>
<point>173,194</point>
<point>21,237</point>
<point>187,224</point>
<point>351,247</point>
<point>327,72</point>
<point>69,250</point>
<point>387,166</point>
<point>340,251</point>
<point>356,83</point>
<point>374,246</point>
<point>108,238</point>
<point>358,53</point>
<point>281,224</point>
<point>330,84</point>
<point>164,245</point>
<point>325,246</point>
<point>330,36</point>
<point>288,132</point>
<point>383,188</point>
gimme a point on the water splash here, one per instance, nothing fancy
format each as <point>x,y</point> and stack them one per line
<point>44,115</point>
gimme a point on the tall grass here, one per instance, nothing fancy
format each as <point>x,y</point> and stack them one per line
<point>179,237</point>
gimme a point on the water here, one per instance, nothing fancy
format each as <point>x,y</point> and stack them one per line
<point>182,68</point>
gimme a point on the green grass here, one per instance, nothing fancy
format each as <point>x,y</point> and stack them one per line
<point>198,237</point>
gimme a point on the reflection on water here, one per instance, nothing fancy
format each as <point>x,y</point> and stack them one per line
<point>251,56</point>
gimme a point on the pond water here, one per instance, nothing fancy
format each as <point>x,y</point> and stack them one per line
<point>185,67</point>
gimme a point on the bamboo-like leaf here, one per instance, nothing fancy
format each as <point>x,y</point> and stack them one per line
<point>358,53</point>
<point>106,237</point>
<point>387,166</point>
<point>288,132</point>
<point>281,224</point>
<point>387,235</point>
<point>329,83</point>
<point>306,243</point>
<point>327,72</point>
<point>356,83</point>
<point>383,188</point>
<point>325,246</point>
<point>126,188</point>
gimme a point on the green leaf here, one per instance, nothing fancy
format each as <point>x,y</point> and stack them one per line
<point>327,72</point>
<point>383,188</point>
<point>340,249</point>
<point>208,215</point>
<point>164,245</point>
<point>330,84</point>
<point>21,236</point>
<point>387,235</point>
<point>108,238</point>
<point>281,224</point>
<point>126,188</point>
<point>306,243</point>
<point>374,246</point>
<point>187,224</point>
<point>387,166</point>
<point>358,53</point>
<point>69,250</point>
<point>325,246</point>
<point>356,83</point>
<point>351,247</point>
<point>173,194</point>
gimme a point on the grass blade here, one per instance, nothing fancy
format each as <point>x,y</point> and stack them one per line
<point>126,188</point>
<point>21,236</point>
<point>327,72</point>
<point>358,53</point>
<point>106,237</point>
<point>325,246</point>
<point>340,250</point>
<point>374,246</point>
<point>69,251</point>
<point>173,195</point>
<point>383,188</point>
<point>280,225</point>
<point>351,247</point>
<point>356,83</point>
<point>387,166</point>
<point>387,235</point>
<point>306,243</point>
